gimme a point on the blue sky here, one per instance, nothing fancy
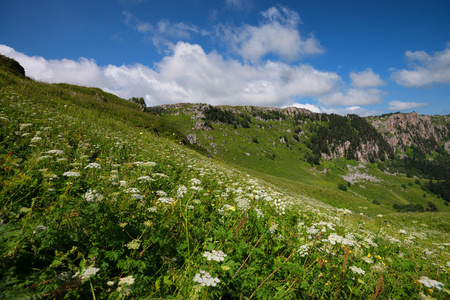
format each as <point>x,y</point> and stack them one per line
<point>364,57</point>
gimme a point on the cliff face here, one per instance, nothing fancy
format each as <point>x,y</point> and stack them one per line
<point>412,129</point>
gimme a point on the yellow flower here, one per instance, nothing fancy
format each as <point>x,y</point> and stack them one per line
<point>369,255</point>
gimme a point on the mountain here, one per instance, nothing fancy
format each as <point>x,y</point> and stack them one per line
<point>100,198</point>
<point>292,142</point>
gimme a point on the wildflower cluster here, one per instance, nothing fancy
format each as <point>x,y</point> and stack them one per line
<point>205,279</point>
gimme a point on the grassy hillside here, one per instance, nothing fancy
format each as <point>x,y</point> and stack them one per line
<point>98,200</point>
<point>278,145</point>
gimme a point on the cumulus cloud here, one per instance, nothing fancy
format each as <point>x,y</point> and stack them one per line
<point>188,75</point>
<point>425,69</point>
<point>356,110</point>
<point>366,78</point>
<point>401,106</point>
<point>277,34</point>
<point>352,97</point>
<point>310,107</point>
<point>82,72</point>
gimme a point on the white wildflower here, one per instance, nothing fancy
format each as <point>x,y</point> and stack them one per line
<point>161,193</point>
<point>160,175</point>
<point>132,191</point>
<point>89,272</point>
<point>44,157</point>
<point>196,188</point>
<point>145,178</point>
<point>129,280</point>
<point>367,259</point>
<point>335,239</point>
<point>137,196</point>
<point>123,183</point>
<point>92,196</point>
<point>71,174</point>
<point>25,125</point>
<point>40,228</point>
<point>430,283</point>
<point>195,181</point>
<point>205,279</point>
<point>152,209</point>
<point>133,245</point>
<point>181,191</point>
<point>273,228</point>
<point>303,250</point>
<point>56,152</point>
<point>166,200</point>
<point>215,255</point>
<point>145,164</point>
<point>36,139</point>
<point>93,166</point>
<point>357,270</point>
<point>259,213</point>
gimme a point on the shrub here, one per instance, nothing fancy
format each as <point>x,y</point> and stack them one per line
<point>342,187</point>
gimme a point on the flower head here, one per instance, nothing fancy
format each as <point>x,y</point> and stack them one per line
<point>89,272</point>
<point>215,255</point>
<point>430,283</point>
<point>71,174</point>
<point>93,166</point>
<point>357,270</point>
<point>205,279</point>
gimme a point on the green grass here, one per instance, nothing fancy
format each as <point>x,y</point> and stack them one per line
<point>146,212</point>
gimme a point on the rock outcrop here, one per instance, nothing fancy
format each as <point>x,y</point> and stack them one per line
<point>412,129</point>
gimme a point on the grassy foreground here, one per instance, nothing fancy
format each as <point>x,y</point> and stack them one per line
<point>96,205</point>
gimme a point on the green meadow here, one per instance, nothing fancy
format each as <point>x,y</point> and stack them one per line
<point>100,200</point>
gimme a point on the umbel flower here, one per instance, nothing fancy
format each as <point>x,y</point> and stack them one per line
<point>357,270</point>
<point>92,196</point>
<point>71,174</point>
<point>89,272</point>
<point>205,279</point>
<point>93,166</point>
<point>215,255</point>
<point>430,283</point>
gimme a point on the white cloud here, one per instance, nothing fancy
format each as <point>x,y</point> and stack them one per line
<point>310,107</point>
<point>356,110</point>
<point>366,78</point>
<point>188,75</point>
<point>401,106</point>
<point>278,34</point>
<point>426,69</point>
<point>82,72</point>
<point>352,97</point>
<point>238,4</point>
